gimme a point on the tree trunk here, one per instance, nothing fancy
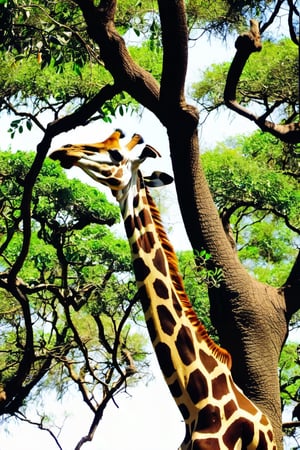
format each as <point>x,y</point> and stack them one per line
<point>249,316</point>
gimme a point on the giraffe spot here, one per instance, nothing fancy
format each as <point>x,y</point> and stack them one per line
<point>243,402</point>
<point>262,443</point>
<point>90,148</point>
<point>159,262</point>
<point>167,321</point>
<point>206,444</point>
<point>264,421</point>
<point>137,223</point>
<point>177,306</point>
<point>209,419</point>
<point>134,248</point>
<point>141,270</point>
<point>220,386</point>
<point>184,411</point>
<point>175,389</point>
<point>164,357</point>
<point>129,228</point>
<point>240,429</point>
<point>136,201</point>
<point>197,386</point>
<point>208,361</point>
<point>119,174</point>
<point>144,298</point>
<point>185,346</point>
<point>161,289</point>
<point>229,409</point>
<point>151,329</point>
<point>114,182</point>
<point>106,173</point>
<point>270,435</point>
<point>145,217</point>
<point>145,242</point>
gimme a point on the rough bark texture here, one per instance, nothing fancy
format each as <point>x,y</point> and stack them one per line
<point>251,318</point>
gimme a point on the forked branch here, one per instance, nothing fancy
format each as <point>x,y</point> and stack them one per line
<point>246,44</point>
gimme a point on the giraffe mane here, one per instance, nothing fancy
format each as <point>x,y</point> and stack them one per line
<point>221,353</point>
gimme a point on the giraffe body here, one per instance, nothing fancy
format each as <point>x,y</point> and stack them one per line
<point>217,414</point>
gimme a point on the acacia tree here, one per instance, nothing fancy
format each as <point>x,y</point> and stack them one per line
<point>251,317</point>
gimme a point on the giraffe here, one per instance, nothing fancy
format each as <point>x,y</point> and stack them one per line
<point>217,414</point>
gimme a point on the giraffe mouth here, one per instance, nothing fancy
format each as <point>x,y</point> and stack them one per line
<point>99,167</point>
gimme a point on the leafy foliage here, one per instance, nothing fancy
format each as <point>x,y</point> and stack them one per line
<point>269,76</point>
<point>289,374</point>
<point>196,277</point>
<point>70,318</point>
<point>260,198</point>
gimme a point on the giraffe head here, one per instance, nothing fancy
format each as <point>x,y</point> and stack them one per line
<point>110,163</point>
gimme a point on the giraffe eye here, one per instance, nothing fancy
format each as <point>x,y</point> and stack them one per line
<point>116,155</point>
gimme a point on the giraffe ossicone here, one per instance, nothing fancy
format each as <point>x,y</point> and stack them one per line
<point>217,414</point>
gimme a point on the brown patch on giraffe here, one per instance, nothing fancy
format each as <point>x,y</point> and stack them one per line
<point>240,428</point>
<point>151,329</point>
<point>136,201</point>
<point>106,173</point>
<point>90,148</point>
<point>209,419</point>
<point>243,402</point>
<point>114,182</point>
<point>206,444</point>
<point>145,242</point>
<point>128,223</point>
<point>219,386</point>
<point>262,443</point>
<point>161,289</point>
<point>141,270</point>
<point>185,346</point>
<point>175,389</point>
<point>137,223</point>
<point>229,409</point>
<point>159,262</point>
<point>144,298</point>
<point>270,435</point>
<point>264,421</point>
<point>197,386</point>
<point>119,174</point>
<point>177,306</point>
<point>184,411</point>
<point>208,361</point>
<point>164,357</point>
<point>145,217</point>
<point>167,321</point>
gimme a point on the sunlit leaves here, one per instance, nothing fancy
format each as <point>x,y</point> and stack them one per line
<point>270,75</point>
<point>255,186</point>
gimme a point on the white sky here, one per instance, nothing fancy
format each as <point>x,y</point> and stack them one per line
<point>148,420</point>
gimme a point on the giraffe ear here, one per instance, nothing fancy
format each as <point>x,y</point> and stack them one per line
<point>158,179</point>
<point>149,152</point>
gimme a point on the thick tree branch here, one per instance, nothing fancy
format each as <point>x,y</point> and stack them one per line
<point>174,39</point>
<point>246,44</point>
<point>272,17</point>
<point>79,117</point>
<point>293,32</point>
<point>128,75</point>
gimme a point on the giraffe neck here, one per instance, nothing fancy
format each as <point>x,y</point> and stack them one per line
<point>184,350</point>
